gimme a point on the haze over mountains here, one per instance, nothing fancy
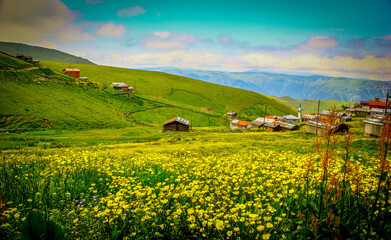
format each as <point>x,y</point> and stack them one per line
<point>294,86</point>
<point>297,87</point>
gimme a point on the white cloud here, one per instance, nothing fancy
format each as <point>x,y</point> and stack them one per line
<point>319,42</point>
<point>110,30</point>
<point>225,39</point>
<point>171,41</point>
<point>131,11</point>
<point>37,21</point>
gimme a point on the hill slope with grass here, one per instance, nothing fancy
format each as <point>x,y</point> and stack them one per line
<point>43,97</point>
<point>41,53</point>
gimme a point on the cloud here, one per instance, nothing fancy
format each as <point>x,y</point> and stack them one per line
<point>171,41</point>
<point>110,30</point>
<point>47,44</point>
<point>377,68</point>
<point>318,42</point>
<point>33,22</point>
<point>225,39</point>
<point>131,11</point>
<point>93,2</point>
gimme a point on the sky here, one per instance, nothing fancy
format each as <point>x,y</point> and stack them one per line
<point>339,38</point>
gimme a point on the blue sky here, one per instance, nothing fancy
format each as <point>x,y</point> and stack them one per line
<point>338,38</point>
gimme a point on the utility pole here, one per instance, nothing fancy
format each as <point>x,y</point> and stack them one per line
<point>385,110</point>
<point>264,118</point>
<point>209,121</point>
<point>317,118</point>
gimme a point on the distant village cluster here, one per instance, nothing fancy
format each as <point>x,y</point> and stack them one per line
<point>315,122</point>
<point>28,59</point>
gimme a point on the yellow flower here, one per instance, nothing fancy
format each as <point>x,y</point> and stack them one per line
<point>266,236</point>
<point>269,225</point>
<point>260,228</point>
<point>229,233</point>
<point>219,225</point>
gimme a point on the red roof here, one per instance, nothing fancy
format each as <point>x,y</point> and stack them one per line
<point>71,70</point>
<point>270,117</point>
<point>205,108</point>
<point>277,123</point>
<point>242,123</point>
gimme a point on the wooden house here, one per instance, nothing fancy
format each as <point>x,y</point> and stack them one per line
<point>74,72</point>
<point>272,126</point>
<point>340,116</point>
<point>289,127</point>
<point>232,115</point>
<point>291,119</point>
<point>308,117</point>
<point>176,124</point>
<point>237,124</point>
<point>121,87</point>
<point>373,126</point>
<point>28,59</point>
<point>319,128</point>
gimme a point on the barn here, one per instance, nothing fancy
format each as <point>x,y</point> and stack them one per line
<point>74,72</point>
<point>176,124</point>
<point>318,128</point>
<point>232,115</point>
<point>291,119</point>
<point>288,127</point>
<point>373,126</point>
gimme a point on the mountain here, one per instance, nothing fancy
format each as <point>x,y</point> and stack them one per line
<point>41,53</point>
<point>297,87</point>
<point>43,97</point>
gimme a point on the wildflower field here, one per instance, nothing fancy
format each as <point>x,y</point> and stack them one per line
<point>215,186</point>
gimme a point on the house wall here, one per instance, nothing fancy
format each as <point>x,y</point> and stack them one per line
<point>371,130</point>
<point>173,127</point>
<point>73,74</point>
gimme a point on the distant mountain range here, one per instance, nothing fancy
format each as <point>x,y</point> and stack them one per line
<point>41,53</point>
<point>297,87</point>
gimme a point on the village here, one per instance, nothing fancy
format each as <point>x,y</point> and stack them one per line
<point>315,122</point>
<point>374,111</point>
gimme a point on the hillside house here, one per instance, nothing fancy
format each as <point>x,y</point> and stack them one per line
<point>291,119</point>
<point>122,87</point>
<point>74,72</point>
<point>340,116</point>
<point>20,56</point>
<point>379,112</point>
<point>232,115</point>
<point>237,124</point>
<point>205,108</point>
<point>308,117</point>
<point>319,128</point>
<point>176,124</point>
<point>373,126</point>
<point>289,127</point>
<point>273,126</point>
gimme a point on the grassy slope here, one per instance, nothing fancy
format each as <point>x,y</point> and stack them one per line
<point>310,105</point>
<point>160,85</point>
<point>41,53</point>
<point>9,62</point>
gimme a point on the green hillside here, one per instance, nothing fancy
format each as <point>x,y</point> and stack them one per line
<point>43,97</point>
<point>41,53</point>
<point>8,62</point>
<point>161,85</point>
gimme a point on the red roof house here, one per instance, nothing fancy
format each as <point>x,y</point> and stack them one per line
<point>74,72</point>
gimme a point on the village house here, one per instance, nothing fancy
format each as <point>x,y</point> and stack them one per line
<point>237,124</point>
<point>319,128</point>
<point>291,119</point>
<point>340,116</point>
<point>288,127</point>
<point>373,126</point>
<point>122,87</point>
<point>379,112</point>
<point>205,108</point>
<point>176,124</point>
<point>308,117</point>
<point>74,72</point>
<point>272,126</point>
<point>232,115</point>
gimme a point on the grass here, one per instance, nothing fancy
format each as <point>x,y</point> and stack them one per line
<point>210,183</point>
<point>7,62</point>
<point>157,84</point>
